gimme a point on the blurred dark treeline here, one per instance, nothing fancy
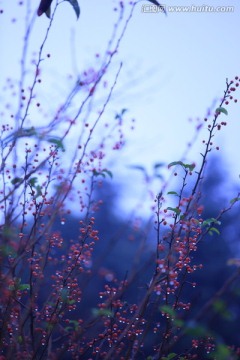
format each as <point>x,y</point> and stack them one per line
<point>127,251</point>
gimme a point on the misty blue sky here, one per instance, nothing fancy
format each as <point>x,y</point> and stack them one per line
<point>174,67</point>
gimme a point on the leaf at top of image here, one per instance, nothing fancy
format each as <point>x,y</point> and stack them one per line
<point>44,7</point>
<point>75,6</point>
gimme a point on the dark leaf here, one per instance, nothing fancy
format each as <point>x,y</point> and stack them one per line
<point>16,180</point>
<point>33,181</point>
<point>120,115</point>
<point>108,172</point>
<point>138,167</point>
<point>44,7</point>
<point>75,6</point>
<point>39,191</point>
<point>158,165</point>
<point>157,4</point>
<point>97,173</point>
<point>48,12</point>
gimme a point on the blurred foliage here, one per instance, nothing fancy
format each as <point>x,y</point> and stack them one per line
<point>124,254</point>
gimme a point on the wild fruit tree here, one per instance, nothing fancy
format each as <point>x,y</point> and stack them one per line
<point>53,165</point>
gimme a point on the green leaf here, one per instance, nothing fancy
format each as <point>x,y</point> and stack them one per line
<point>7,250</point>
<point>176,210</point>
<point>57,142</point>
<point>196,330</point>
<point>39,191</point>
<point>189,166</point>
<point>234,200</point>
<point>222,352</point>
<point>158,165</point>
<point>71,302</point>
<point>172,193</point>
<point>210,221</point>
<point>178,323</point>
<point>108,172</point>
<point>20,339</point>
<point>75,323</point>
<point>213,229</point>
<point>27,132</point>
<point>103,173</point>
<point>168,310</point>
<point>120,115</point>
<point>75,6</point>
<point>64,293</point>
<point>102,312</point>
<point>16,180</point>
<point>138,167</point>
<point>49,326</point>
<point>97,173</point>
<point>68,328</point>
<point>123,111</point>
<point>185,166</point>
<point>32,182</point>
<point>169,357</point>
<point>15,285</point>
<point>24,287</point>
<point>222,110</point>
<point>175,163</point>
<point>220,307</point>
